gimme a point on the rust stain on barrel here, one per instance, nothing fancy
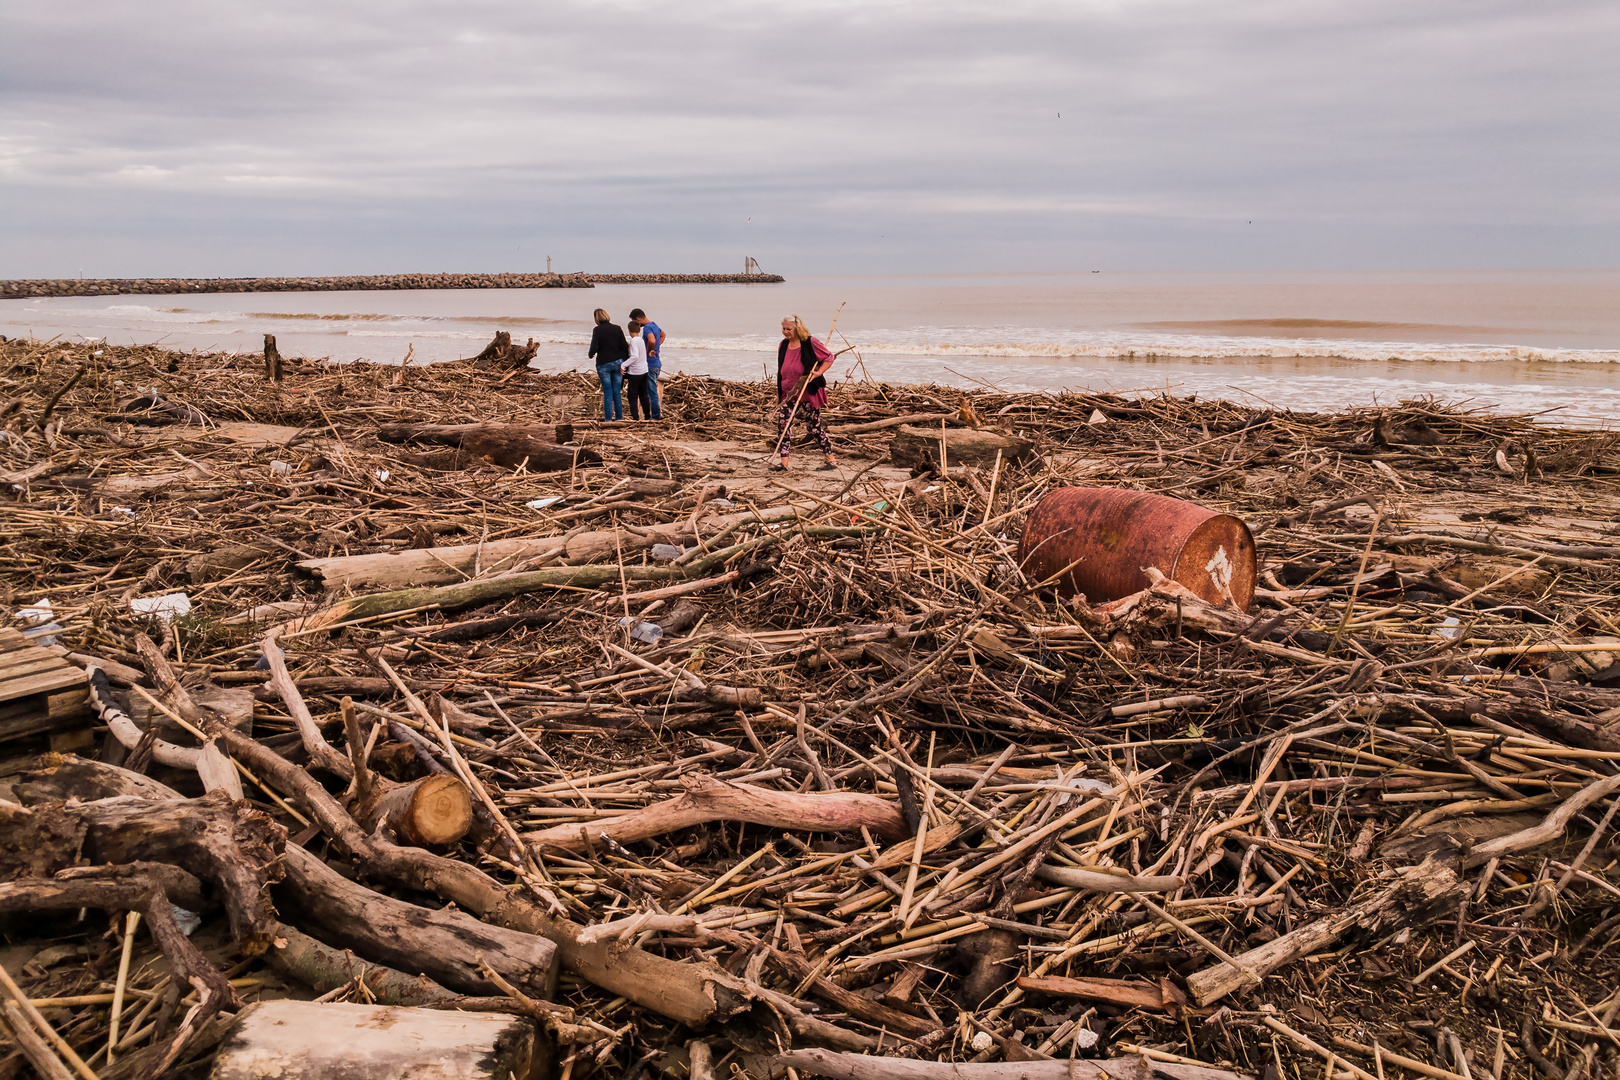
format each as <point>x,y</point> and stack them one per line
<point>1110,534</point>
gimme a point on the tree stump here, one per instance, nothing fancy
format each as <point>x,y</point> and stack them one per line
<point>502,353</point>
<point>272,359</point>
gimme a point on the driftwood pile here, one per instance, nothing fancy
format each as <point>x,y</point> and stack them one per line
<point>708,772</point>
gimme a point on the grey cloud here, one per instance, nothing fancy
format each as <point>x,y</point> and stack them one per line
<point>173,137</point>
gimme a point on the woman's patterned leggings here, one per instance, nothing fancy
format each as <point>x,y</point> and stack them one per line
<point>812,420</point>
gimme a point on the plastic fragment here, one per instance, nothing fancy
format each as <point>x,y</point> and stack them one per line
<point>164,607</point>
<point>42,628</point>
<point>188,921</point>
<point>645,632</point>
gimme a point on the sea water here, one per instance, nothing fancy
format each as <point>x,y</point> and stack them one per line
<point>1528,342</point>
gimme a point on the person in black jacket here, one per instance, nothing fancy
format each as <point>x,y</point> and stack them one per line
<point>610,350</point>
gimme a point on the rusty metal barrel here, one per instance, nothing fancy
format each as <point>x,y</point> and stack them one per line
<point>1106,536</point>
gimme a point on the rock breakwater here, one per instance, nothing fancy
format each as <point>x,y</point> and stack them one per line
<point>686,279</point>
<point>18,289</point>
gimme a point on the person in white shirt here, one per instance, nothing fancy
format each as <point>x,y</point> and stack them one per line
<point>635,380</point>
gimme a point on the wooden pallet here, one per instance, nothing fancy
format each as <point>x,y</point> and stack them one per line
<point>39,690</point>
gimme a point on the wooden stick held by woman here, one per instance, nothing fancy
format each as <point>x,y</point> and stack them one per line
<point>791,354</point>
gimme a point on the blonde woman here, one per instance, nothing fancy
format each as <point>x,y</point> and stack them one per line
<point>802,363</point>
<point>610,350</point>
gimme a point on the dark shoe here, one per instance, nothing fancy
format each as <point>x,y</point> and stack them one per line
<point>776,468</point>
<point>828,467</point>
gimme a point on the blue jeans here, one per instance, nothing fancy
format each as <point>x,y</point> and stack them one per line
<point>611,376</point>
<point>652,390</point>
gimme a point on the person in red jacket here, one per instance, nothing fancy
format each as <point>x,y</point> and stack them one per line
<point>802,363</point>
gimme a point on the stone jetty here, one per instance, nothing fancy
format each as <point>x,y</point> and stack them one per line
<point>17,289</point>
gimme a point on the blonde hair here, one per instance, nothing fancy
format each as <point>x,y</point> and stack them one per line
<point>602,317</point>
<point>801,332</point>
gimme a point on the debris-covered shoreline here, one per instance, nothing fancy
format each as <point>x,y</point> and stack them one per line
<point>756,771</point>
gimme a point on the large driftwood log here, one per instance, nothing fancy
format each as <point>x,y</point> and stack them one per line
<point>1418,893</point>
<point>919,448</point>
<point>332,1041</point>
<point>323,968</point>
<point>457,562</point>
<point>59,777</point>
<point>451,434</point>
<point>865,1067</point>
<point>517,447</point>
<point>230,845</point>
<point>603,544</point>
<point>470,593</point>
<point>432,566</point>
<point>431,812</point>
<point>446,946</point>
<point>112,888</point>
<point>708,799</point>
<point>532,446</point>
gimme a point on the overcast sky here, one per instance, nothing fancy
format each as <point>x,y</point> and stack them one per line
<point>300,137</point>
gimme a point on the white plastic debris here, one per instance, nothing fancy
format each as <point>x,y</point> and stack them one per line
<point>1087,785</point>
<point>37,612</point>
<point>164,607</point>
<point>723,503</point>
<point>1450,628</point>
<point>187,921</point>
<point>280,468</point>
<point>42,628</point>
<point>983,1041</point>
<point>667,551</point>
<point>1097,417</point>
<point>123,512</point>
<point>647,633</point>
<point>1085,1038</point>
<point>541,504</point>
<point>383,475</point>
